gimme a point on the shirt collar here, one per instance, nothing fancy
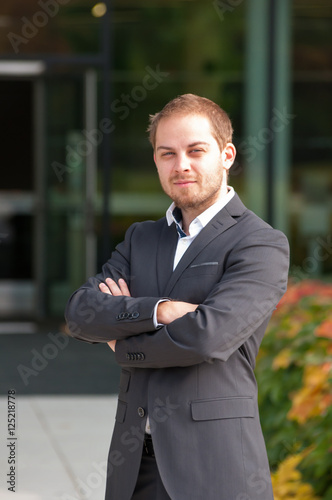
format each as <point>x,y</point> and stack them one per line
<point>173,213</point>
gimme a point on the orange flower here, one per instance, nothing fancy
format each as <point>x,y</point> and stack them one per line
<point>324,329</point>
<point>305,288</point>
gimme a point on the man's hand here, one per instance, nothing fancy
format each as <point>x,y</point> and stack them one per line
<point>112,343</point>
<point>116,289</point>
<point>170,310</point>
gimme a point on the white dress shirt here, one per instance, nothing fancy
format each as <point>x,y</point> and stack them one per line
<point>196,225</point>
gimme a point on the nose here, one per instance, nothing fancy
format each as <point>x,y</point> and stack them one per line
<point>182,163</point>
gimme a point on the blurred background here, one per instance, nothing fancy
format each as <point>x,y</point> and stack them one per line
<point>77,83</point>
<point>78,79</point>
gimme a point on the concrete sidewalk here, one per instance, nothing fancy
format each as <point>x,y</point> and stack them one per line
<point>61,448</point>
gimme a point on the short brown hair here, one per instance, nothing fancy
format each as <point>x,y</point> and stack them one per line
<point>191,104</point>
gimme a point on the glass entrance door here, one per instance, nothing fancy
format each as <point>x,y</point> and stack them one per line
<point>47,188</point>
<point>17,199</point>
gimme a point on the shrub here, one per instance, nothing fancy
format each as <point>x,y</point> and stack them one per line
<point>294,370</point>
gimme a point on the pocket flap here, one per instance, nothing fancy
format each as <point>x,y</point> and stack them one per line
<point>213,409</point>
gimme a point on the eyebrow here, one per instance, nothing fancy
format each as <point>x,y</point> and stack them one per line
<point>189,145</point>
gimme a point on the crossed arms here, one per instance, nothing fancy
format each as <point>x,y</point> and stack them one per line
<point>237,306</point>
<point>167,311</point>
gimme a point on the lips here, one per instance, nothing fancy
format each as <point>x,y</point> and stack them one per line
<point>184,182</point>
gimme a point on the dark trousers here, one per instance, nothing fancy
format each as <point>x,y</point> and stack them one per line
<point>149,485</point>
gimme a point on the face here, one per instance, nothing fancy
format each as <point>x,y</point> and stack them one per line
<point>191,167</point>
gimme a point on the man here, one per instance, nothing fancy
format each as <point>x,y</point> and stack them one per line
<point>184,303</point>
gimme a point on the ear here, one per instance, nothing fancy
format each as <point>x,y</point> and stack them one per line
<point>228,155</point>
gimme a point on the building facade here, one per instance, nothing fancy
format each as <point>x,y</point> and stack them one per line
<point>78,80</point>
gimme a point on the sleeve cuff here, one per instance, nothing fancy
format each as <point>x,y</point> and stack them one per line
<point>155,321</point>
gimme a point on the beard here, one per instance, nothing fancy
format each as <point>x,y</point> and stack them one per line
<point>196,201</point>
<point>198,196</point>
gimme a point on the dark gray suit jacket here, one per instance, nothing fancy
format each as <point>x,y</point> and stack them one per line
<point>194,377</point>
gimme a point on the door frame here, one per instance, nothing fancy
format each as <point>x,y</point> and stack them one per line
<point>33,294</point>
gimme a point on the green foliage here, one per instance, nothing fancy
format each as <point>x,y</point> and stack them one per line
<point>293,371</point>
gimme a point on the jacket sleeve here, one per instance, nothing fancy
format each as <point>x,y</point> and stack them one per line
<point>254,280</point>
<point>94,316</point>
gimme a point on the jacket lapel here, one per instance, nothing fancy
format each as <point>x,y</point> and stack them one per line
<point>224,219</point>
<point>165,255</point>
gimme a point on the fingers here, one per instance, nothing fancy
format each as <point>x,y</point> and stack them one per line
<point>112,344</point>
<point>124,287</point>
<point>104,288</point>
<point>113,288</point>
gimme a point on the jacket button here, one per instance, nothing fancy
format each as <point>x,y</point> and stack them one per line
<point>135,315</point>
<point>141,411</point>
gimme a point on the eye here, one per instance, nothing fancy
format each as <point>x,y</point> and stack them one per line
<point>168,153</point>
<point>196,151</point>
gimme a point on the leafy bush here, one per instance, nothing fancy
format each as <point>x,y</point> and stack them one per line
<point>294,370</point>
